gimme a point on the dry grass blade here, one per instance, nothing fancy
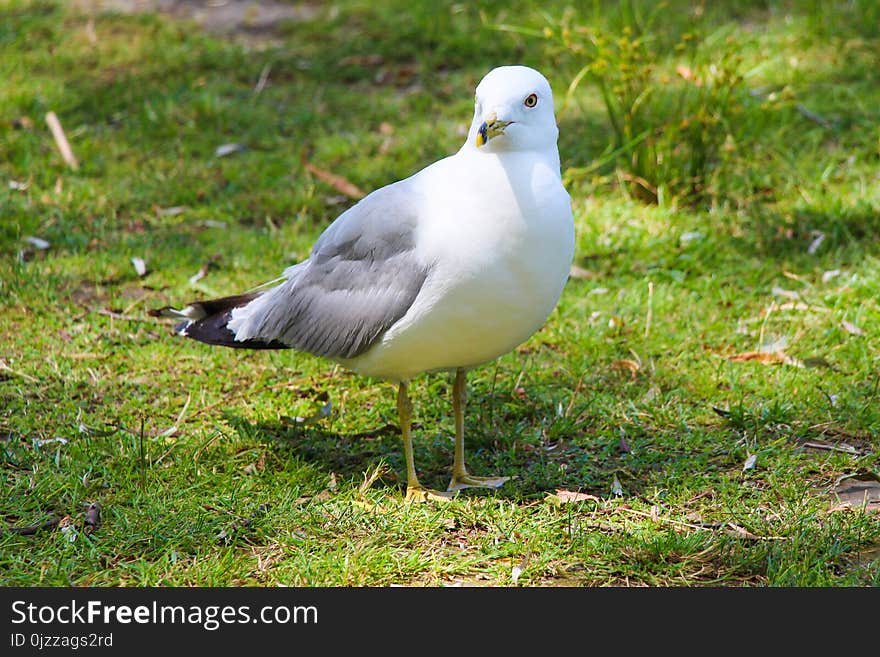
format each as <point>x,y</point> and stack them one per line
<point>766,358</point>
<point>170,431</point>
<point>372,476</point>
<point>732,529</point>
<point>27,377</point>
<point>763,357</point>
<point>338,183</point>
<point>61,140</point>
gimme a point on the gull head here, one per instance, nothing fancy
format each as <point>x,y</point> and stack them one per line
<point>513,111</point>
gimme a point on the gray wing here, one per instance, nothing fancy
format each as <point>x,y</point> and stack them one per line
<point>362,277</point>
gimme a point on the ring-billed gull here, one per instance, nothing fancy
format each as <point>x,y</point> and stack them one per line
<point>443,271</point>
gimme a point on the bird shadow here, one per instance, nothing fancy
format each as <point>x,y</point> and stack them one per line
<point>353,456</point>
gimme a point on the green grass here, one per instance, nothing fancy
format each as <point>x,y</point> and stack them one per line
<point>620,386</point>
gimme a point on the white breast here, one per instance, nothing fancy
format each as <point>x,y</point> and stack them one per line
<point>499,247</point>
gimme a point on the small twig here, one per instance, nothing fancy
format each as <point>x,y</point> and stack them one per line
<point>833,448</point>
<point>814,117</point>
<point>732,528</point>
<point>574,395</point>
<point>661,518</point>
<point>741,532</point>
<point>173,429</point>
<point>264,78</point>
<point>114,315</point>
<point>61,140</point>
<point>27,377</point>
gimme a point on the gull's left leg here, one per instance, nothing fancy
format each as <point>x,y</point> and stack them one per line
<point>460,477</point>
<point>415,492</point>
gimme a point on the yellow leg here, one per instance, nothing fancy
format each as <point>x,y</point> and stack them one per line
<point>460,477</point>
<point>415,492</point>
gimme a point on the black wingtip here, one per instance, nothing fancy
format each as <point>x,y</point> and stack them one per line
<point>213,330</point>
<point>211,327</point>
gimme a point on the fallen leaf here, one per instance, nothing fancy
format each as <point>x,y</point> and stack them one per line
<point>563,496</point>
<point>18,186</point>
<point>750,463</point>
<point>828,275</point>
<point>858,493</point>
<point>338,183</point>
<point>852,329</point>
<point>763,357</point>
<point>686,73</point>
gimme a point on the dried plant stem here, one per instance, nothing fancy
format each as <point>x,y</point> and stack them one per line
<point>61,140</point>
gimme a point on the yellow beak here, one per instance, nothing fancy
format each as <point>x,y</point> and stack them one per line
<point>490,128</point>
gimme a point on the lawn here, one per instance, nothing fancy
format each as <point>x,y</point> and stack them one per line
<point>702,408</point>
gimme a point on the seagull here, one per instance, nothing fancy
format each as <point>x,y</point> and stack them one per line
<point>443,271</point>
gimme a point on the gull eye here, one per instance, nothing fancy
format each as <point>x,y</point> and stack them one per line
<point>531,100</point>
